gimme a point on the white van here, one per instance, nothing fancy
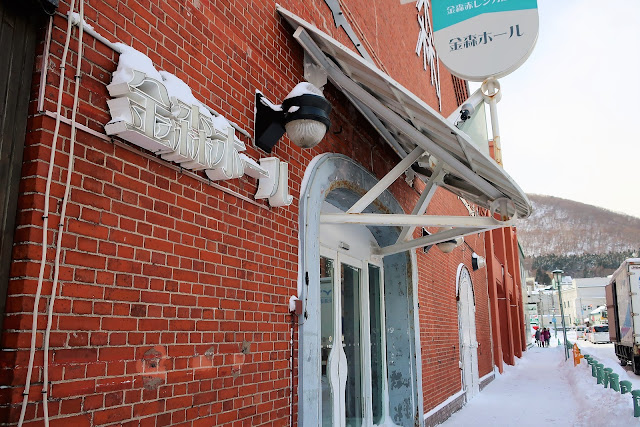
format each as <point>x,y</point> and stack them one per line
<point>598,334</point>
<point>581,333</point>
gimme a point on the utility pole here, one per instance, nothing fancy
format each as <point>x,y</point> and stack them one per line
<point>553,307</point>
<point>541,310</point>
<point>558,276</point>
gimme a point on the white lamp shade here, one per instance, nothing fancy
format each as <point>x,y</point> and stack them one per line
<point>446,247</point>
<point>450,245</point>
<point>305,133</point>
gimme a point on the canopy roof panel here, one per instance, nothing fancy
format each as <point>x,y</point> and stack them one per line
<point>407,122</point>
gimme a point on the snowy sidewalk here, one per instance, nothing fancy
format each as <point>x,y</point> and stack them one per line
<point>543,389</point>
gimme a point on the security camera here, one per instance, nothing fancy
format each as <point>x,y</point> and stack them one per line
<point>466,111</point>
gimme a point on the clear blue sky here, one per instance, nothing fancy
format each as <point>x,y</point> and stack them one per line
<point>569,116</point>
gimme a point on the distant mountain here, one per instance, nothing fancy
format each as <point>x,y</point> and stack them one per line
<point>583,240</point>
<point>576,266</point>
<point>564,227</point>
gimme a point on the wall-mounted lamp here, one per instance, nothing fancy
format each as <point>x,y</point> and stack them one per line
<point>477,262</point>
<point>304,115</point>
<point>446,246</point>
<point>449,245</point>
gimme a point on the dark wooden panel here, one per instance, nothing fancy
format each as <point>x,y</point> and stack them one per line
<point>18,34</point>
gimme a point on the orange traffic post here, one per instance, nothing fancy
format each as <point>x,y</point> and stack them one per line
<point>576,355</point>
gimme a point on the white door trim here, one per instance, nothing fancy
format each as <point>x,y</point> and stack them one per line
<point>468,334</point>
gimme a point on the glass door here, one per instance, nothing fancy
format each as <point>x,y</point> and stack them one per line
<point>350,311</point>
<point>327,331</point>
<point>353,358</point>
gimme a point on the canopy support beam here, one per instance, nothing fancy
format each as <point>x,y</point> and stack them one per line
<point>432,239</point>
<point>391,220</point>
<point>386,181</point>
<point>463,225</point>
<point>426,196</point>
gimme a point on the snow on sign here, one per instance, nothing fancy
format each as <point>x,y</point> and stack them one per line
<point>157,111</point>
<point>478,39</point>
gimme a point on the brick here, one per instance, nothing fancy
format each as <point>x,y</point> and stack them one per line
<point>85,260</point>
<point>148,408</point>
<point>76,355</point>
<point>73,323</point>
<point>72,388</point>
<point>116,353</point>
<point>113,399</point>
<point>119,294</point>
<point>78,420</point>
<point>109,416</point>
<point>112,384</point>
<point>118,324</point>
<point>153,324</point>
<point>75,290</point>
<point>122,265</point>
<point>93,402</point>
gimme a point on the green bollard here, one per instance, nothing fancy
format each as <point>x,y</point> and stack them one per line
<point>599,373</point>
<point>636,402</point>
<point>605,376</point>
<point>594,368</point>
<point>614,381</point>
<point>625,386</point>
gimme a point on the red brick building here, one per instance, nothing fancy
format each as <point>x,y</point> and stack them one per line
<point>172,264</point>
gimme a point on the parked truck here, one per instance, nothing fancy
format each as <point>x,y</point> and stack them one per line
<point>623,312</point>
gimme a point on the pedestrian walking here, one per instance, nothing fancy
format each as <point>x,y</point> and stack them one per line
<point>538,337</point>
<point>547,337</point>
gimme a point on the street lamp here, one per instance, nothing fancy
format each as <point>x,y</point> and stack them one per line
<point>553,312</point>
<point>557,275</point>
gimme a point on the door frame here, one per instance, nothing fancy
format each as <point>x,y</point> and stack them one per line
<point>341,181</point>
<point>467,319</point>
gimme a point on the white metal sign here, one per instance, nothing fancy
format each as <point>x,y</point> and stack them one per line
<point>182,130</point>
<point>478,39</point>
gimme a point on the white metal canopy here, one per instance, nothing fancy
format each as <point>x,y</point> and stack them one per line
<point>440,153</point>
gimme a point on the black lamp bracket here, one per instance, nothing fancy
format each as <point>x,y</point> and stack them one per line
<point>269,124</point>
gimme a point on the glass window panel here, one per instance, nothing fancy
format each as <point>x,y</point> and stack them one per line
<point>375,319</point>
<point>327,331</point>
<point>476,128</point>
<point>354,402</point>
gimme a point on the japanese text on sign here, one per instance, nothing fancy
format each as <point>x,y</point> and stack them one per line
<point>461,7</point>
<point>473,40</point>
<point>144,114</point>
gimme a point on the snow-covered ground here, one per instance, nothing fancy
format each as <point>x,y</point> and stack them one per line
<point>543,389</point>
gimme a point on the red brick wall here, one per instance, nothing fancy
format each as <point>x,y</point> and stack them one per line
<point>441,375</point>
<point>172,301</point>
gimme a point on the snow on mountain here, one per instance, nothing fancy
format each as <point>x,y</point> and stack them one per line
<point>565,227</point>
